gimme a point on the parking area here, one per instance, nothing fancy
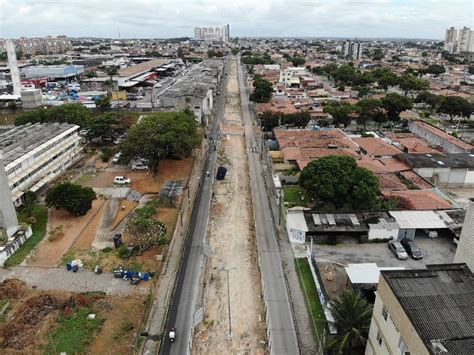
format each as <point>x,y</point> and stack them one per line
<point>439,250</point>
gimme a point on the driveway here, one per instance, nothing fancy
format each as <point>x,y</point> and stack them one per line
<point>436,251</point>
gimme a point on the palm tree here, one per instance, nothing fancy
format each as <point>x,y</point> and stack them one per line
<point>352,315</point>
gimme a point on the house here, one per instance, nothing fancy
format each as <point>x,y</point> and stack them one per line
<point>376,147</point>
<point>425,311</point>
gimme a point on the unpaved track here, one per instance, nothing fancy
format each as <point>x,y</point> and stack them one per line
<point>234,269</point>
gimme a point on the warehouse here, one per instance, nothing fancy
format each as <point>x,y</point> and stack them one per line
<point>35,154</point>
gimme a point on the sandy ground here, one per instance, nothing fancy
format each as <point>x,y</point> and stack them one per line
<point>234,259</point>
<point>142,181</point>
<point>79,230</point>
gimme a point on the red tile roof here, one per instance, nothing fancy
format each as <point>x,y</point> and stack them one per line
<point>376,146</point>
<point>380,166</point>
<point>390,182</point>
<point>420,199</point>
<point>416,179</point>
<point>442,134</point>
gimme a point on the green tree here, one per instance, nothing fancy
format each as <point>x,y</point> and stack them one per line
<point>75,199</point>
<point>454,106</point>
<point>72,113</point>
<point>235,50</point>
<point>337,181</point>
<point>263,90</point>
<point>395,103</point>
<point>29,201</point>
<point>180,52</point>
<point>91,74</point>
<point>162,135</point>
<point>435,69</point>
<point>369,110</point>
<point>102,125</point>
<point>409,83</point>
<point>426,97</point>
<point>389,79</point>
<point>297,61</point>
<point>352,315</point>
<point>340,112</point>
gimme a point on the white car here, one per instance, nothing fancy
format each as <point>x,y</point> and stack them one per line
<point>116,157</point>
<point>122,180</point>
<point>140,165</point>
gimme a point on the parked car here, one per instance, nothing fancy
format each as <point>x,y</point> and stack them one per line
<point>118,140</point>
<point>139,165</point>
<point>412,249</point>
<point>116,157</point>
<point>122,180</point>
<point>397,248</point>
<point>83,132</point>
<point>431,233</point>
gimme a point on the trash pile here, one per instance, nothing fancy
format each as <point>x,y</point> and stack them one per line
<point>11,289</point>
<point>75,265</point>
<point>23,325</point>
<point>133,276</point>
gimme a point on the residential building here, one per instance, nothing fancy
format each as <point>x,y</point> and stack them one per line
<point>212,34</point>
<point>352,50</point>
<point>35,154</point>
<point>426,311</point>
<point>291,76</point>
<point>465,249</point>
<point>46,45</point>
<point>459,40</point>
<point>450,40</point>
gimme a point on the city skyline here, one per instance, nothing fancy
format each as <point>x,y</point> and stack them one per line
<point>151,19</point>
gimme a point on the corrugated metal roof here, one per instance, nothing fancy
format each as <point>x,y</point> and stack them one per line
<point>418,219</point>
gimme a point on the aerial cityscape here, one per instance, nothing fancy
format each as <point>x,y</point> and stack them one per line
<point>213,177</point>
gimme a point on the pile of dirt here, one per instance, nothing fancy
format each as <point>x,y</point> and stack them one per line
<point>24,324</point>
<point>11,289</point>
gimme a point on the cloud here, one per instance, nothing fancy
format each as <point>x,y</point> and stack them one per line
<point>159,19</point>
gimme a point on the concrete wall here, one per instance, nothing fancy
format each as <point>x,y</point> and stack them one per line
<point>13,246</point>
<point>376,232</point>
<point>397,325</point>
<point>465,249</point>
<point>8,217</point>
<point>434,139</point>
<point>447,176</point>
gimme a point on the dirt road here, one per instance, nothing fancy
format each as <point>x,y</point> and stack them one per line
<point>234,320</point>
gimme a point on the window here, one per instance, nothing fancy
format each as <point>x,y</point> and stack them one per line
<point>384,313</point>
<point>403,347</point>
<point>379,338</point>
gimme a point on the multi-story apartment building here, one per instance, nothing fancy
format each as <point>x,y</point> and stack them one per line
<point>35,154</point>
<point>426,311</point>
<point>47,45</point>
<point>209,34</point>
<point>459,40</point>
<point>352,50</point>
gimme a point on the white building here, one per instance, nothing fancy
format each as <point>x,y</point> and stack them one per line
<point>459,40</point>
<point>291,76</point>
<point>35,154</point>
<point>465,249</point>
<point>352,50</point>
<point>210,34</point>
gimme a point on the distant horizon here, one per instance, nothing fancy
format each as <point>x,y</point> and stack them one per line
<point>148,19</point>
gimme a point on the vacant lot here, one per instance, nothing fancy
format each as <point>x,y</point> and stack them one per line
<point>53,322</point>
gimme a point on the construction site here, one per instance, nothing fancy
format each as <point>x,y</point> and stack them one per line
<point>234,318</point>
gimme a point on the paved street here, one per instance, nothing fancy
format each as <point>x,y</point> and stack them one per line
<point>183,300</point>
<point>46,278</point>
<point>280,322</point>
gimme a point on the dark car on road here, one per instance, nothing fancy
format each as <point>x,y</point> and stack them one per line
<point>412,249</point>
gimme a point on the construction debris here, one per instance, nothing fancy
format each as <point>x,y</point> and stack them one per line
<point>11,289</point>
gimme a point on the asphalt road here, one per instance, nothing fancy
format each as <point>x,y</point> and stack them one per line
<point>280,320</point>
<point>183,300</point>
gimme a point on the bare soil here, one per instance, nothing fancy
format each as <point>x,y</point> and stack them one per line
<point>235,278</point>
<point>74,230</point>
<point>34,314</point>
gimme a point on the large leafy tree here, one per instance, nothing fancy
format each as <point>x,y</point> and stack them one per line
<point>340,112</point>
<point>162,135</point>
<point>370,110</point>
<point>263,90</point>
<point>429,99</point>
<point>75,199</point>
<point>100,126</point>
<point>337,181</point>
<point>352,315</point>
<point>395,103</point>
<point>455,106</point>
<point>72,113</point>
<point>409,84</point>
<point>269,120</point>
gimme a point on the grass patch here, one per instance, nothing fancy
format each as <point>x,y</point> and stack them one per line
<point>124,329</point>
<point>75,333</point>
<point>296,196</point>
<point>311,293</point>
<point>39,231</point>
<point>84,178</point>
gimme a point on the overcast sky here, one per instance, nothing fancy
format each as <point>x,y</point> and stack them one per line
<point>255,18</point>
